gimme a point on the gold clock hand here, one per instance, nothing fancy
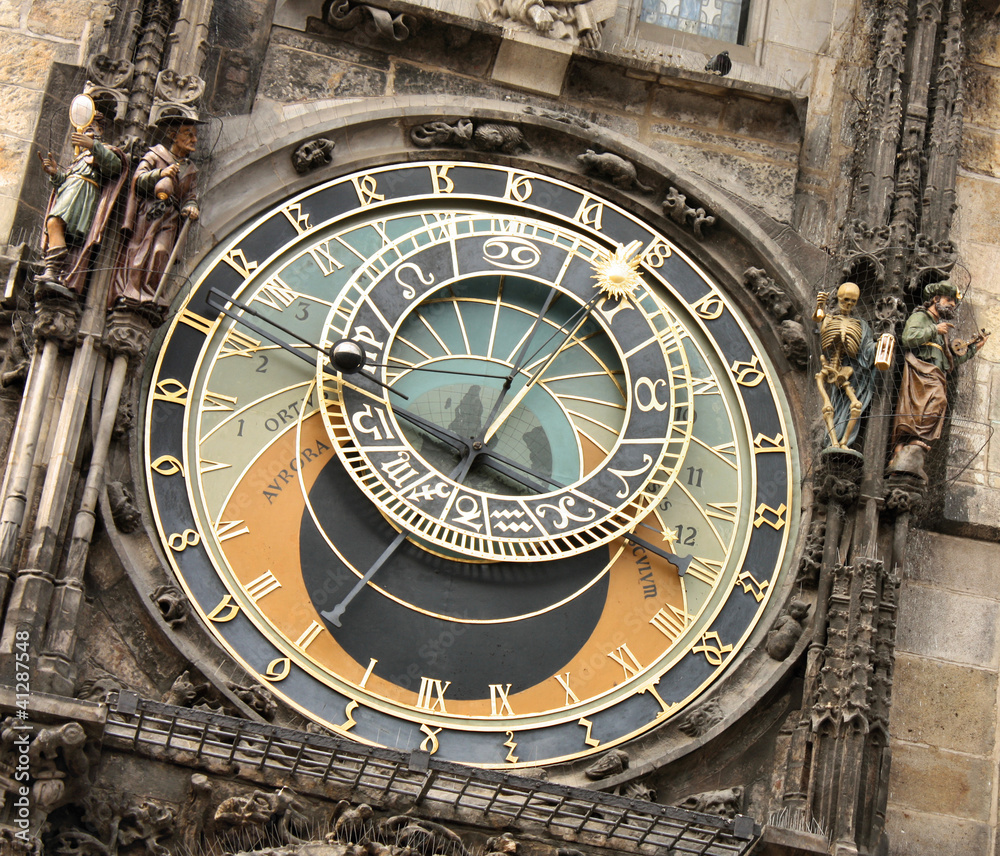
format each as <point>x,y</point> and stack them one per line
<point>494,426</point>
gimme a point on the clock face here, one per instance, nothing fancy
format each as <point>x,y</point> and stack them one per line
<point>462,458</point>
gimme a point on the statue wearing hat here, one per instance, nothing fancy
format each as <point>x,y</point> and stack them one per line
<point>83,194</point>
<point>931,353</point>
<point>161,197</point>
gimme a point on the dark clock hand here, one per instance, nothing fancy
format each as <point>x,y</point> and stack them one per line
<point>682,562</point>
<point>334,615</point>
<point>246,308</point>
<point>225,298</point>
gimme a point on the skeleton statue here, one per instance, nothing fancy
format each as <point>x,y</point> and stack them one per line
<point>848,355</point>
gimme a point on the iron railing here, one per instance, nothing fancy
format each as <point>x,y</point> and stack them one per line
<point>378,775</point>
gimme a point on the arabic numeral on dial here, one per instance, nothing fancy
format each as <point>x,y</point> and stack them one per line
<point>239,433</point>
<point>303,312</point>
<point>695,475</point>
<point>688,540</point>
<point>262,368</point>
<point>180,541</point>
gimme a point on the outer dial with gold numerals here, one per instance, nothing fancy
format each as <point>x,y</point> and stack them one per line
<point>277,482</point>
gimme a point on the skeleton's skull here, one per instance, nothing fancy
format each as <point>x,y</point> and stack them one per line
<point>847,297</point>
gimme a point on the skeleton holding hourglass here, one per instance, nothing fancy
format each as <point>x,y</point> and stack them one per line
<point>845,379</point>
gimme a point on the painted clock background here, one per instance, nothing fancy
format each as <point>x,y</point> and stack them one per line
<point>581,576</point>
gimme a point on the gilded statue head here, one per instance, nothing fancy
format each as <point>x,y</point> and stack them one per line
<point>847,297</point>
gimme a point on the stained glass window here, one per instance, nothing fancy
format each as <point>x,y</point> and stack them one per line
<point>725,20</point>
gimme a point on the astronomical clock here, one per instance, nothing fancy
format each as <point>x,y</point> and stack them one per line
<point>463,458</point>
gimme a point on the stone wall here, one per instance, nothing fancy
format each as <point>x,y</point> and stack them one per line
<point>34,36</point>
<point>943,787</point>
<point>944,792</point>
<point>973,501</point>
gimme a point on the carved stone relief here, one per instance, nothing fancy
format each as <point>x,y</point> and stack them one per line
<point>699,720</point>
<point>172,603</point>
<point>620,172</point>
<point>346,15</point>
<point>725,803</point>
<point>57,319</point>
<point>481,136</point>
<point>312,155</point>
<point>676,207</point>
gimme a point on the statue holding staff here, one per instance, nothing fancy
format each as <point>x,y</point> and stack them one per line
<point>161,201</point>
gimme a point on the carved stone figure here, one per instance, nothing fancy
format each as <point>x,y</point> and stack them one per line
<point>931,353</point>
<point>675,206</point>
<point>75,842</point>
<point>13,844</point>
<point>503,845</point>
<point>787,630</point>
<point>99,689</point>
<point>610,764</point>
<point>82,197</point>
<point>847,361</point>
<point>794,344</point>
<point>441,134</point>
<point>59,764</point>
<point>772,296</point>
<point>312,155</point>
<point>184,692</point>
<point>423,836</point>
<point>699,720</point>
<point>161,197</point>
<point>16,360</point>
<point>566,20</point>
<point>351,823</point>
<point>172,604</point>
<point>281,813</point>
<point>621,172</point>
<point>147,822</point>
<point>485,137</point>
<point>496,137</point>
<point>724,803</point>
<point>257,698</point>
<point>123,511</point>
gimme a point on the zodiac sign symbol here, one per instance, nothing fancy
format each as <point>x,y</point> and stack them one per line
<point>565,516</point>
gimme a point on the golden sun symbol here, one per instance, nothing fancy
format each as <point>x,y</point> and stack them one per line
<point>617,274</point>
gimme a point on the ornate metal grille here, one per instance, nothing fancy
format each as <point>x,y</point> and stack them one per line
<point>191,736</point>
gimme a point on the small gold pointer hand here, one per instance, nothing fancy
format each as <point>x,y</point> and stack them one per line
<point>504,414</point>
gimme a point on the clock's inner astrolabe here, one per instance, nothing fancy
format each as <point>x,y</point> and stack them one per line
<point>523,519</point>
